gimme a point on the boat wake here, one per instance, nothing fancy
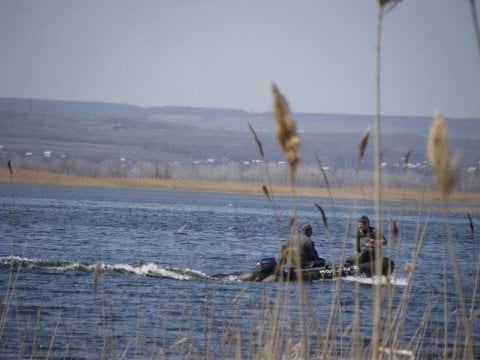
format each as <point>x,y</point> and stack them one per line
<point>17,263</point>
<point>378,280</point>
<point>142,269</point>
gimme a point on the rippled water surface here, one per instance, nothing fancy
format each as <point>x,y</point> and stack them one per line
<point>152,273</point>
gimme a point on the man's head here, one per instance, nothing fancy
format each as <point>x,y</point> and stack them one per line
<point>363,222</point>
<point>307,229</point>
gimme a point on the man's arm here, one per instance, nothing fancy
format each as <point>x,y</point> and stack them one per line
<point>373,234</point>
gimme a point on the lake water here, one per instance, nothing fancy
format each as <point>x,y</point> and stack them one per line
<point>132,273</point>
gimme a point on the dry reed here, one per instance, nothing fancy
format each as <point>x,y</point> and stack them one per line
<point>324,175</point>
<point>285,130</point>
<point>393,230</point>
<point>406,159</point>
<point>9,165</point>
<point>266,188</point>
<point>325,179</point>
<point>439,156</point>
<point>362,146</point>
<point>257,141</point>
<point>473,10</point>
<point>324,216</point>
<point>447,177</point>
<point>470,223</point>
<point>289,140</point>
<point>266,192</point>
<point>287,137</point>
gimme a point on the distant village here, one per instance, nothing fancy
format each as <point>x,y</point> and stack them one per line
<point>47,154</point>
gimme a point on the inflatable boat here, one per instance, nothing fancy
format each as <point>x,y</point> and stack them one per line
<point>267,269</point>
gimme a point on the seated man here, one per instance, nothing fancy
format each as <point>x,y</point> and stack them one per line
<point>307,252</point>
<point>366,243</point>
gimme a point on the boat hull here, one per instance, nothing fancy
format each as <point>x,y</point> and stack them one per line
<point>267,270</point>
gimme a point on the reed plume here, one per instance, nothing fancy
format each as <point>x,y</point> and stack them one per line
<point>324,217</point>
<point>265,191</point>
<point>472,229</point>
<point>388,4</point>
<point>394,230</point>
<point>323,173</point>
<point>9,164</point>
<point>285,130</point>
<point>473,10</point>
<point>439,156</point>
<point>406,159</point>
<point>265,187</point>
<point>257,141</point>
<point>362,145</point>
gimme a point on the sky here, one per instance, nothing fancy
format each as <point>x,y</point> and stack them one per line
<point>227,53</point>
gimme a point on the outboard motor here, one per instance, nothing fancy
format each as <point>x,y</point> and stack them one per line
<point>266,266</point>
<point>263,268</point>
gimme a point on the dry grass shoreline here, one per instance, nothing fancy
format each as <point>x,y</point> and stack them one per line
<point>49,178</point>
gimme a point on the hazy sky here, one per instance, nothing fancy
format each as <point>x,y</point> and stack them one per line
<point>221,53</point>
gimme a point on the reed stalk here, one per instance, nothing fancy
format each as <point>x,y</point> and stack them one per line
<point>266,188</point>
<point>287,137</point>
<point>473,10</point>
<point>447,178</point>
<point>377,185</point>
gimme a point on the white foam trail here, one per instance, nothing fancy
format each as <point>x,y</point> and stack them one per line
<point>230,278</point>
<point>378,280</point>
<point>155,270</point>
<point>142,269</point>
<point>74,266</point>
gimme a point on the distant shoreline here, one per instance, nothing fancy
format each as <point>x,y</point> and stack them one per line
<point>49,178</point>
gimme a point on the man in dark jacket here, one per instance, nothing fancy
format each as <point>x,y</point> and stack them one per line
<point>366,242</point>
<point>307,252</point>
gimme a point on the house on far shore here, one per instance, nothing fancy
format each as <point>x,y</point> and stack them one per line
<point>472,170</point>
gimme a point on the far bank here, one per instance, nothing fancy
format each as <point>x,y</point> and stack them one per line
<point>43,177</point>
